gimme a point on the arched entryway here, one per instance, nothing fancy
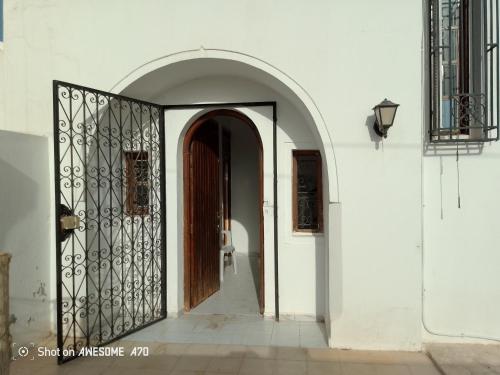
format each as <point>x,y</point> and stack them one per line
<point>209,156</point>
<point>300,126</point>
<point>190,84</point>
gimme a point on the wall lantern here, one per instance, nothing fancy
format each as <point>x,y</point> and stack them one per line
<point>384,117</point>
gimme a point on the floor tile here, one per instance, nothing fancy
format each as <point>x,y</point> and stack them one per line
<point>285,340</point>
<point>357,369</point>
<point>253,366</point>
<point>323,368</point>
<point>238,351</point>
<point>165,362</point>
<point>312,329</point>
<point>312,342</point>
<point>262,352</point>
<point>291,353</point>
<point>383,369</point>
<point>323,355</point>
<point>423,369</point>
<point>171,348</point>
<point>231,365</point>
<point>285,367</point>
<point>257,339</point>
<point>201,350</point>
<point>192,363</point>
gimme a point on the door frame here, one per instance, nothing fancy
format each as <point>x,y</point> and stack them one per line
<point>187,198</point>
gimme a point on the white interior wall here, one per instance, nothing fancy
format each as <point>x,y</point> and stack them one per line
<point>245,204</point>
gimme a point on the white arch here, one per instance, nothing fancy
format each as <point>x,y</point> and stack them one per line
<point>304,97</point>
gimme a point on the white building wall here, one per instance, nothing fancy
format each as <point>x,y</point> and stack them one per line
<point>346,56</point>
<point>461,245</point>
<point>373,56</point>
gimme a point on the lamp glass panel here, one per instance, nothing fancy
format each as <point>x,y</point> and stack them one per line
<point>387,115</point>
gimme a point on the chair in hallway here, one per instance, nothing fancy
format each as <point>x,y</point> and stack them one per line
<point>227,249</point>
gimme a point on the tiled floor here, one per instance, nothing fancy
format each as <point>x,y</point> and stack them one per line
<point>238,293</point>
<point>470,359</point>
<point>235,329</point>
<point>196,359</point>
<point>231,316</point>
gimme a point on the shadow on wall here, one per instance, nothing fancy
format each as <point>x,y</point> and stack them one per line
<point>321,284</point>
<point>16,201</point>
<point>320,281</point>
<point>25,231</point>
<point>374,137</point>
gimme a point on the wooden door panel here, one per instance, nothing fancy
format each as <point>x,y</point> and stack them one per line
<point>205,211</point>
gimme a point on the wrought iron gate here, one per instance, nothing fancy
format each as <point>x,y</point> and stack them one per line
<point>110,211</point>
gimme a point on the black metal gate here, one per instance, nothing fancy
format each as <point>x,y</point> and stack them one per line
<point>110,216</point>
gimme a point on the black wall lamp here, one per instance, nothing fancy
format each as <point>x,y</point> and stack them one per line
<point>384,117</point>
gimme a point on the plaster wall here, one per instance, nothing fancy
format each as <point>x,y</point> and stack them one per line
<point>461,257</point>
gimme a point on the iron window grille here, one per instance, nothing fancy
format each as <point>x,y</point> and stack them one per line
<point>137,182</point>
<point>463,66</point>
<point>307,191</point>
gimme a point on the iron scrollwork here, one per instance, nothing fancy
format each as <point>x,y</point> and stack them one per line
<point>111,268</point>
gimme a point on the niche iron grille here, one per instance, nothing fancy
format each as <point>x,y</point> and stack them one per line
<point>109,166</point>
<point>463,67</point>
<point>307,193</point>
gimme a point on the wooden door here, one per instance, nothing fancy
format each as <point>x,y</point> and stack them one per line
<point>198,143</point>
<point>205,213</point>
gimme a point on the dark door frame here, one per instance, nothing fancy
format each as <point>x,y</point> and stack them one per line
<point>187,189</point>
<point>233,105</point>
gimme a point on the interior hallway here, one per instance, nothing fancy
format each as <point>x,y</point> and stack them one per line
<point>238,293</point>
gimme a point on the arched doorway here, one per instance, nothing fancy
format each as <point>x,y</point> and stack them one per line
<point>300,124</point>
<point>207,204</point>
<point>192,83</point>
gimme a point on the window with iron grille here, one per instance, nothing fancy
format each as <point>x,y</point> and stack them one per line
<point>464,61</point>
<point>307,191</point>
<point>137,187</point>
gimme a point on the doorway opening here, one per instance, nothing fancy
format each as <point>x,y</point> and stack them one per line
<point>223,191</point>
